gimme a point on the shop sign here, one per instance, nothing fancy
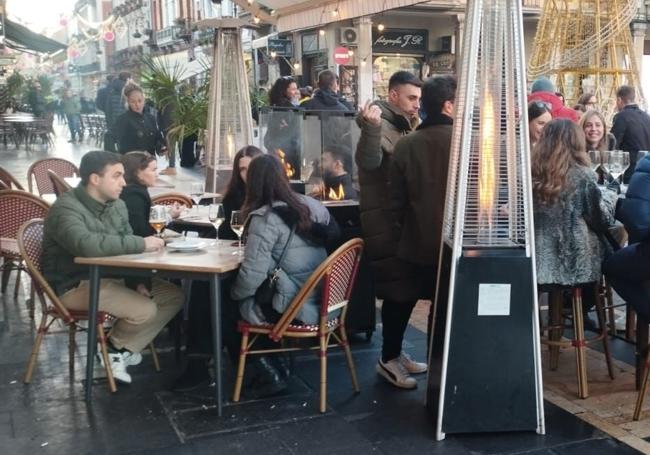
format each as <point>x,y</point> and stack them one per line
<point>341,56</point>
<point>282,47</point>
<point>400,41</point>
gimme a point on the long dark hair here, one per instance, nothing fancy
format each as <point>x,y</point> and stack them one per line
<point>278,93</point>
<point>135,162</point>
<point>236,189</point>
<point>268,183</point>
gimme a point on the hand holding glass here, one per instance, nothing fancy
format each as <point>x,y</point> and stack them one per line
<point>216,216</point>
<point>158,218</point>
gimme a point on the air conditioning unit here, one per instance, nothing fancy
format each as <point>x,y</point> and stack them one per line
<point>349,35</point>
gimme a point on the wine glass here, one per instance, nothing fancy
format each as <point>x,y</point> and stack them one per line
<point>237,225</point>
<point>196,193</point>
<point>158,218</point>
<point>594,157</point>
<point>605,158</point>
<point>216,216</point>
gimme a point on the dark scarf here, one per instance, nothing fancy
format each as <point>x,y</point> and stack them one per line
<point>436,119</point>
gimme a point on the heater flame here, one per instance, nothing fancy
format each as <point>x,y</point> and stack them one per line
<point>337,195</point>
<point>487,176</point>
<point>288,168</point>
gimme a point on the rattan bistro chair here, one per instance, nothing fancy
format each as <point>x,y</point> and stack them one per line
<point>30,244</point>
<point>9,180</point>
<point>37,173</point>
<point>172,197</point>
<point>338,273</point>
<point>60,186</point>
<point>16,207</point>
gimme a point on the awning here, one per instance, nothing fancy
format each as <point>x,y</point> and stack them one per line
<point>300,14</point>
<point>23,39</point>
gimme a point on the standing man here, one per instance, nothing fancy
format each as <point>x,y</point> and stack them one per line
<point>115,105</point>
<point>91,220</point>
<point>71,106</point>
<point>327,97</point>
<point>631,127</point>
<point>418,184</point>
<point>382,124</point>
<point>102,94</point>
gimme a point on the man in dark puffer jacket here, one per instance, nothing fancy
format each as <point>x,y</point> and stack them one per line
<point>628,270</point>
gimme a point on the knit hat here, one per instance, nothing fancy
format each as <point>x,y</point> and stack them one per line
<point>542,84</point>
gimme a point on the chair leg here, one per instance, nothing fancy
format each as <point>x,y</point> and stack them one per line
<point>600,312</point>
<point>32,301</point>
<point>154,356</point>
<point>630,323</point>
<point>42,330</point>
<point>642,390</point>
<point>72,332</point>
<point>348,358</point>
<point>555,332</point>
<point>609,301</point>
<point>104,349</point>
<point>18,273</point>
<point>241,364</point>
<point>323,372</point>
<point>579,343</point>
<point>6,271</point>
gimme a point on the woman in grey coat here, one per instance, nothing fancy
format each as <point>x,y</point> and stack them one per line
<point>571,213</point>
<point>272,210</point>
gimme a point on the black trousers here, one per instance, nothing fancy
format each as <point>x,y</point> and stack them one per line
<point>395,315</point>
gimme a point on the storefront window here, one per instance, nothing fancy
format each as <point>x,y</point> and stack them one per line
<point>385,65</point>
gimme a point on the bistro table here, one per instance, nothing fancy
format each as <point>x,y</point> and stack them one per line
<point>211,263</point>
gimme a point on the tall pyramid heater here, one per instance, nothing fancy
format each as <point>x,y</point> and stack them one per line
<point>230,125</point>
<point>484,357</point>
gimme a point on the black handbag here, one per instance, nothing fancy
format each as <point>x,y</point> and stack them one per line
<point>264,294</point>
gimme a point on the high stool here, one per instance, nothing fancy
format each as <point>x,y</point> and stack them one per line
<point>555,331</point>
<point>642,363</point>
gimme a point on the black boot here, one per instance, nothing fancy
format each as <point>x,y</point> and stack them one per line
<point>195,375</point>
<point>265,379</point>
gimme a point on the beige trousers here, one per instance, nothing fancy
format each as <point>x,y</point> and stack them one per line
<point>139,318</point>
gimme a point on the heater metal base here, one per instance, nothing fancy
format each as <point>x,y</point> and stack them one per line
<point>490,377</point>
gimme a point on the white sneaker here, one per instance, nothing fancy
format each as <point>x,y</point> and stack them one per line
<point>131,358</point>
<point>395,373</point>
<point>117,366</point>
<point>411,365</point>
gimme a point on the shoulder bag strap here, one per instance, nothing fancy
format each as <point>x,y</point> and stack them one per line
<point>278,267</point>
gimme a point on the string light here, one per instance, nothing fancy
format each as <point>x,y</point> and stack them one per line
<point>250,2</point>
<point>274,54</point>
<point>381,27</point>
<point>296,65</point>
<point>335,12</point>
<point>321,32</point>
<point>256,19</point>
<point>363,62</point>
<point>350,52</point>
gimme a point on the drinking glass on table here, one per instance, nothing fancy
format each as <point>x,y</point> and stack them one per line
<point>594,157</point>
<point>619,161</point>
<point>196,193</point>
<point>237,225</point>
<point>158,218</point>
<point>216,216</point>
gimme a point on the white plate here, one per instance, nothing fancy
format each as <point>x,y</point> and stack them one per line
<point>186,245</point>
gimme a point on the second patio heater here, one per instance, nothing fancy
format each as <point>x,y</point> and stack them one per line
<point>484,356</point>
<point>230,124</point>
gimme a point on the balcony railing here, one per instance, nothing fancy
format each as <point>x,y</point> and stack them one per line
<point>167,35</point>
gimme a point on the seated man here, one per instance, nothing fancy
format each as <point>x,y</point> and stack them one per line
<point>91,220</point>
<point>628,269</point>
<point>337,181</point>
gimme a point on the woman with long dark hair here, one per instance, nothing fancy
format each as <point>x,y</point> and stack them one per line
<point>539,114</point>
<point>283,129</point>
<point>273,209</point>
<point>235,194</point>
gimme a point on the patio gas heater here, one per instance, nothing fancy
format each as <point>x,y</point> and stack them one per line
<point>484,356</point>
<point>229,117</point>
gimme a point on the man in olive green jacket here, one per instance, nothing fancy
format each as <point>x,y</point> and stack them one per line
<point>91,220</point>
<point>418,184</point>
<point>382,124</point>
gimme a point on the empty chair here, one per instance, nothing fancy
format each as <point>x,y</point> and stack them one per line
<point>337,275</point>
<point>37,173</point>
<point>16,208</point>
<point>9,180</point>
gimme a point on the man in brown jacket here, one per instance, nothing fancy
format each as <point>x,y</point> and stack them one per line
<point>382,124</point>
<point>418,183</point>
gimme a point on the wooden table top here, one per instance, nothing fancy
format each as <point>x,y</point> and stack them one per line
<point>216,257</point>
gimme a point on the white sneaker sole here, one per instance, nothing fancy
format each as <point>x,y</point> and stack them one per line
<point>389,377</point>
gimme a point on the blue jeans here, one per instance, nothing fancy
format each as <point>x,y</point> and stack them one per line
<point>628,271</point>
<point>74,123</point>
